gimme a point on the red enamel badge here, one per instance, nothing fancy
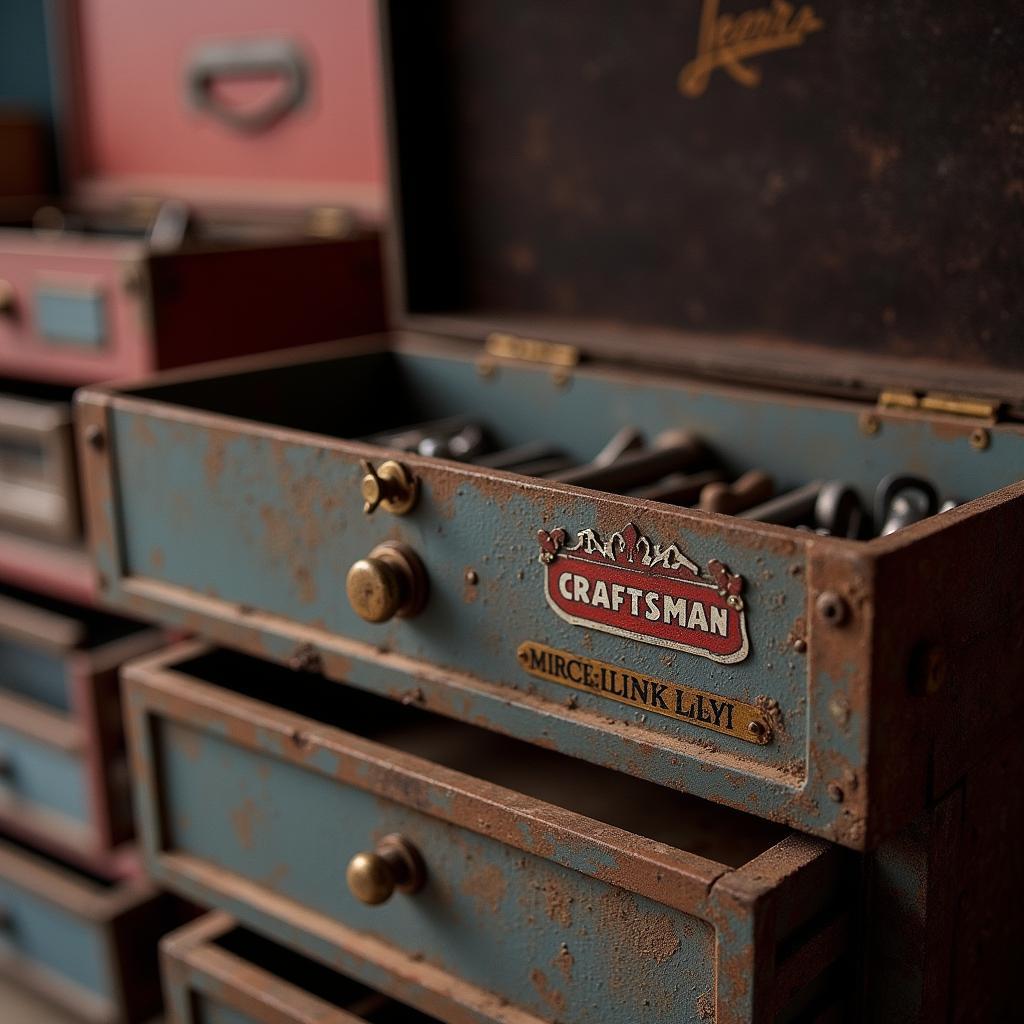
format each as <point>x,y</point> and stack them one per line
<point>633,588</point>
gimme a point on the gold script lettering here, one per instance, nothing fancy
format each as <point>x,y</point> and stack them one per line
<point>726,41</point>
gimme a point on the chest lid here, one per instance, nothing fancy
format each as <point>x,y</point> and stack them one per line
<point>823,196</point>
<point>223,103</point>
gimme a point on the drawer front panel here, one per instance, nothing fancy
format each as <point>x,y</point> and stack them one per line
<point>42,775</point>
<point>37,674</point>
<point>75,315</point>
<point>62,942</point>
<point>567,945</point>
<point>282,521</point>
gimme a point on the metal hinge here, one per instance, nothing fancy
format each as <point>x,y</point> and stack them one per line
<point>939,401</point>
<point>531,350</point>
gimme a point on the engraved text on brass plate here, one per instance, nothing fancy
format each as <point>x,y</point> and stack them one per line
<point>726,41</point>
<point>685,703</point>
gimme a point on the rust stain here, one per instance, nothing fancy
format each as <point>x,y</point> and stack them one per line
<point>551,996</point>
<point>648,935</point>
<point>157,558</point>
<point>564,962</point>
<point>487,886</point>
<point>558,905</point>
<point>213,460</point>
<point>243,820</point>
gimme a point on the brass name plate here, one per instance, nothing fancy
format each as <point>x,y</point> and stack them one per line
<point>684,703</point>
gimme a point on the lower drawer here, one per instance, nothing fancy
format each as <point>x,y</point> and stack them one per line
<point>487,879</point>
<point>38,487</point>
<point>82,941</point>
<point>217,973</point>
<point>63,772</point>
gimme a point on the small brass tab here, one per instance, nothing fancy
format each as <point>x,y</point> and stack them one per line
<point>939,401</point>
<point>531,350</point>
<point>391,487</point>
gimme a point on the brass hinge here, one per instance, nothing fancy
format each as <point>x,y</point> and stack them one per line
<point>939,401</point>
<point>531,350</point>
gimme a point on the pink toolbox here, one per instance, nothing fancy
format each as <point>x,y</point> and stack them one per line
<point>223,189</point>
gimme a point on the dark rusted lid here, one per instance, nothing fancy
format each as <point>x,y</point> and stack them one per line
<point>834,203</point>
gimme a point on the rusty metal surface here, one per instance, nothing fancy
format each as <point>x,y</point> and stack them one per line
<point>64,937</point>
<point>244,531</point>
<point>65,783</point>
<point>216,973</point>
<point>597,921</point>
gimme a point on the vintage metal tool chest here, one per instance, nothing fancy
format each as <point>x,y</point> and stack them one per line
<point>84,941</point>
<point>234,210</point>
<point>217,973</point>
<point>64,782</point>
<point>478,888</point>
<point>634,223</point>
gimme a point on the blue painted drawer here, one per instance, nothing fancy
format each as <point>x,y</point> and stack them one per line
<point>217,973</point>
<point>38,487</point>
<point>664,904</point>
<point>229,501</point>
<point>79,940</point>
<point>63,774</point>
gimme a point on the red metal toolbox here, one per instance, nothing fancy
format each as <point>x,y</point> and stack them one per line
<point>64,783</point>
<point>587,249</point>
<point>231,210</point>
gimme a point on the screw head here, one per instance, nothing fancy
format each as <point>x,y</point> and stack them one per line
<point>94,436</point>
<point>800,645</point>
<point>870,424</point>
<point>832,608</point>
<point>472,578</point>
<point>980,439</point>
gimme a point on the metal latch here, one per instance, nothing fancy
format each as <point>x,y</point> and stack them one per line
<point>557,355</point>
<point>943,402</point>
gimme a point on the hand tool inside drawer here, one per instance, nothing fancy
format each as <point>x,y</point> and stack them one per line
<point>38,487</point>
<point>63,776</point>
<point>216,972</point>
<point>477,867</point>
<point>276,506</point>
<point>84,941</point>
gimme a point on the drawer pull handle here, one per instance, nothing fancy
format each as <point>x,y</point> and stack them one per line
<point>391,487</point>
<point>390,581</point>
<point>394,864</point>
<point>8,297</point>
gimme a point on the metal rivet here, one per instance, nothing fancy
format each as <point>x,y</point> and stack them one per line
<point>980,439</point>
<point>832,608</point>
<point>472,578</point>
<point>835,792</point>
<point>758,730</point>
<point>870,424</point>
<point>800,645</point>
<point>94,436</point>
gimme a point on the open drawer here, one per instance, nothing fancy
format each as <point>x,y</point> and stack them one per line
<point>86,942</point>
<point>217,973</point>
<point>63,775</point>
<point>512,881</point>
<point>805,685</point>
<point>38,485</point>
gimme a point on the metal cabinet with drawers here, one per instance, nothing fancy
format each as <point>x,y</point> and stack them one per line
<point>629,633</point>
<point>64,782</point>
<point>83,940</point>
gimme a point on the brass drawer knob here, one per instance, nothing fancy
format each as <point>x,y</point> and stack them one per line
<point>394,864</point>
<point>390,581</point>
<point>8,297</point>
<point>391,487</point>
